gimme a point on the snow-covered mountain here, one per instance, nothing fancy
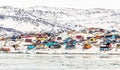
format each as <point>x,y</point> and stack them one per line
<point>37,19</point>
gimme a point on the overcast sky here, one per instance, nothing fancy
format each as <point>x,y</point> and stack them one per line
<point>82,4</point>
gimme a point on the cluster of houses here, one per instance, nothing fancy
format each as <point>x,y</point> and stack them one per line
<point>103,39</point>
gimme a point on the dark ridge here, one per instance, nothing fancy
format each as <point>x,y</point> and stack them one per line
<point>10,29</point>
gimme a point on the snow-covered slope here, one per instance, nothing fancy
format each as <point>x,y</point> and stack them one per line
<point>36,19</point>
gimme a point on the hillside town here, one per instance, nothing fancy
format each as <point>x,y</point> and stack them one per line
<point>89,40</point>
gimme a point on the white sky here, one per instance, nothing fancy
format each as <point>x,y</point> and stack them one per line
<point>82,4</point>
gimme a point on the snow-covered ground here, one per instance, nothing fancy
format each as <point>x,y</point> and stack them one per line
<point>58,62</point>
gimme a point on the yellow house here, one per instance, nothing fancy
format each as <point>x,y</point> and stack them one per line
<point>93,39</point>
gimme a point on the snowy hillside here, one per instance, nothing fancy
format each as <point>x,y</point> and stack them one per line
<point>37,19</point>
